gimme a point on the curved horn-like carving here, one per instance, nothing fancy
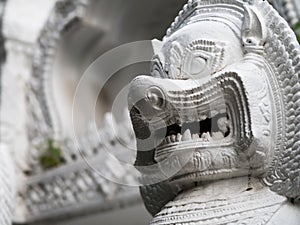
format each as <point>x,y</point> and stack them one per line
<point>254,31</point>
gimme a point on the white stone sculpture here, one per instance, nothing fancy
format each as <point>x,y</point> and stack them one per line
<point>220,118</point>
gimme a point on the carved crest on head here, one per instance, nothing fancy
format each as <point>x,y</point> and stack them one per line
<point>254,30</point>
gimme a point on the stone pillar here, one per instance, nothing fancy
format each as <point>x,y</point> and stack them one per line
<point>22,23</point>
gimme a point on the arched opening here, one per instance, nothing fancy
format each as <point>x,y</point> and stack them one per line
<point>105,25</point>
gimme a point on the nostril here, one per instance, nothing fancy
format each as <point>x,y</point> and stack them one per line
<point>155,97</point>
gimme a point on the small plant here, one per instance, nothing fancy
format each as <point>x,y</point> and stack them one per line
<point>52,156</point>
<point>296,29</point>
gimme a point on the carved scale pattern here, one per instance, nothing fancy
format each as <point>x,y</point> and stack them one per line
<point>232,210</point>
<point>283,53</point>
<point>245,218</point>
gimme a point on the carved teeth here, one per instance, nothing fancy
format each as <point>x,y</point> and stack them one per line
<point>173,138</point>
<point>217,135</point>
<point>168,139</point>
<point>194,132</point>
<point>195,136</point>
<point>187,135</point>
<point>223,124</point>
<point>203,117</point>
<point>206,136</point>
<point>179,136</point>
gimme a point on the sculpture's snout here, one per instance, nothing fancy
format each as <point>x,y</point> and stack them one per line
<point>172,101</point>
<point>147,96</point>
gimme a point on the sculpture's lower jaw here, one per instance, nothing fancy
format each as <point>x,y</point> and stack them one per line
<point>200,164</point>
<point>198,178</point>
<point>222,202</point>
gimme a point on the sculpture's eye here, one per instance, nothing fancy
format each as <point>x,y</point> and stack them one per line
<point>198,65</point>
<point>195,65</point>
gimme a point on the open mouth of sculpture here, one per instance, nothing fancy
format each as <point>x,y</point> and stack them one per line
<point>191,133</point>
<point>206,132</point>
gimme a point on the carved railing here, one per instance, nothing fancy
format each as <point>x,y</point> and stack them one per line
<point>78,188</point>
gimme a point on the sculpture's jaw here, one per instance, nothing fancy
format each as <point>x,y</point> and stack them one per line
<point>190,133</point>
<point>200,145</point>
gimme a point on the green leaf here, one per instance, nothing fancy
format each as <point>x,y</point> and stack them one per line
<point>296,29</point>
<point>51,157</point>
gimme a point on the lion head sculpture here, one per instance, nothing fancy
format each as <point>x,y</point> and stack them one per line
<point>223,101</point>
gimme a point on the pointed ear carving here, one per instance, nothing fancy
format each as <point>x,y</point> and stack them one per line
<point>158,60</point>
<point>254,30</point>
<point>156,46</point>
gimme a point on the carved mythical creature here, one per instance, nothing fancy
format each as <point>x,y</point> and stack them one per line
<point>218,122</point>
